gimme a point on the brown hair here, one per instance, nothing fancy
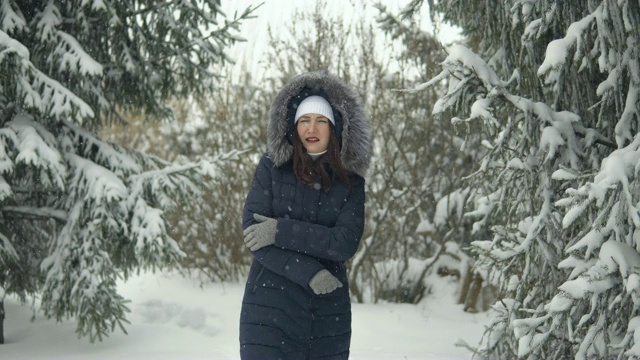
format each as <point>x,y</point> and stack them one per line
<point>307,170</point>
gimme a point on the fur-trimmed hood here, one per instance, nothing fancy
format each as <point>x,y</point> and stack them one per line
<point>355,127</point>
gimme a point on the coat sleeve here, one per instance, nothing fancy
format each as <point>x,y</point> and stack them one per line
<point>297,267</point>
<point>337,243</point>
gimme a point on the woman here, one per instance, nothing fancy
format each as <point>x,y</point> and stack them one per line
<point>303,219</point>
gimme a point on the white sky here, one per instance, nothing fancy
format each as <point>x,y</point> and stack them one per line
<point>277,14</point>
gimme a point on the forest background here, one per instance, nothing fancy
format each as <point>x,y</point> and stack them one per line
<point>509,160</point>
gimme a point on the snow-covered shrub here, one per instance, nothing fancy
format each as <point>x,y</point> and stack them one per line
<point>232,118</point>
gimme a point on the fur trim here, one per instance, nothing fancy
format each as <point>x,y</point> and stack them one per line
<point>356,128</point>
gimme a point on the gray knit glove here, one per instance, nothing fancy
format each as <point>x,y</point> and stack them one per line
<point>262,234</point>
<point>324,282</point>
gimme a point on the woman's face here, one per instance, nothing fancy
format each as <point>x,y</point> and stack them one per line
<point>314,131</point>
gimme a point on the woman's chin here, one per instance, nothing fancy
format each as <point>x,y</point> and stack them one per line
<point>314,149</point>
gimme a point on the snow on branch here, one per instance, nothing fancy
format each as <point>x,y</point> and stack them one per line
<point>39,91</point>
<point>8,141</point>
<point>80,276</point>
<point>605,261</point>
<point>558,51</point>
<point>121,161</point>
<point>484,206</point>
<point>74,58</point>
<point>205,166</point>
<point>624,128</point>
<point>615,171</point>
<point>68,54</point>
<point>95,182</point>
<point>168,185</point>
<point>36,147</point>
<point>11,20</point>
<point>470,77</point>
<point>174,181</point>
<point>7,252</point>
<point>49,20</point>
<point>617,263</point>
<point>9,45</point>
<point>150,234</point>
<point>57,101</point>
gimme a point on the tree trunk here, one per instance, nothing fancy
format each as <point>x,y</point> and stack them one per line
<point>2,321</point>
<point>465,283</point>
<point>472,296</point>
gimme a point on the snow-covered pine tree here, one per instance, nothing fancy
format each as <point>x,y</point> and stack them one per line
<point>556,86</point>
<point>418,191</point>
<point>78,213</point>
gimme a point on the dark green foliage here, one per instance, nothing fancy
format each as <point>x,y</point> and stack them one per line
<point>76,212</point>
<point>554,87</point>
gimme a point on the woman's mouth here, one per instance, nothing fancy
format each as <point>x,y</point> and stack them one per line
<point>312,139</point>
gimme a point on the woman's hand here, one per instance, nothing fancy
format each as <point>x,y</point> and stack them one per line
<point>324,282</point>
<point>262,234</point>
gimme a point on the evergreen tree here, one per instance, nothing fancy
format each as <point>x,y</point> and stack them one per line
<point>76,212</point>
<point>556,87</point>
<point>417,190</point>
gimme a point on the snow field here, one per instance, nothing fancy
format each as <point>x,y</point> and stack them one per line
<point>175,318</point>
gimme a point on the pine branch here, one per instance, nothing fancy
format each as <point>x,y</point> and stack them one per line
<point>155,7</point>
<point>25,212</point>
<point>215,34</point>
<point>583,132</point>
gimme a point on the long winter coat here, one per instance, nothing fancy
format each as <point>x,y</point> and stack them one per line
<point>281,316</point>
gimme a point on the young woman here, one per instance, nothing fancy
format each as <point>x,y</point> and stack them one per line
<point>303,219</point>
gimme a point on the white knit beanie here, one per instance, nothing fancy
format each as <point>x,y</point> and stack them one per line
<point>315,105</point>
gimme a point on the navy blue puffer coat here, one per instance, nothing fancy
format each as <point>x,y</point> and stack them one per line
<point>281,317</point>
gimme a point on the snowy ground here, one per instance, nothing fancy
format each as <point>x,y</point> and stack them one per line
<point>174,318</point>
